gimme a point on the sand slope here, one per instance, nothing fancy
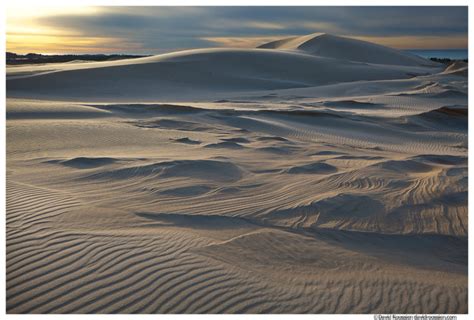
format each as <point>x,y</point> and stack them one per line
<point>238,181</point>
<point>208,73</point>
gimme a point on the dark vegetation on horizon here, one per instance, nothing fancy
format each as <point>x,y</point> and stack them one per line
<point>33,58</point>
<point>446,60</point>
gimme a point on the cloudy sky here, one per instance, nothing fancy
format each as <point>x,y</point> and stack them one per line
<point>149,30</point>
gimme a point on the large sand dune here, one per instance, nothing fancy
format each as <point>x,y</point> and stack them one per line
<point>327,45</point>
<point>194,74</point>
<point>319,175</point>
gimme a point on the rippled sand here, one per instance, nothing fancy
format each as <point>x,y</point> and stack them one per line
<point>308,195</point>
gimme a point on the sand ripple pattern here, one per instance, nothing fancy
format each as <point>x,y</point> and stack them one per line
<point>314,197</point>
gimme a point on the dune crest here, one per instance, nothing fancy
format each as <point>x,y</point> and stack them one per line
<point>331,46</point>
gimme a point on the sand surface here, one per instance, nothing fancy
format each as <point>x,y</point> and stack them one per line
<point>293,178</point>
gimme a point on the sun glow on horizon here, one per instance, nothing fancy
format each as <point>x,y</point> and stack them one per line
<point>25,34</point>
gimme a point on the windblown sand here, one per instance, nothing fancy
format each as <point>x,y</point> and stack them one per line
<point>318,175</point>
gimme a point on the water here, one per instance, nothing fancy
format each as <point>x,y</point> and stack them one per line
<point>453,54</point>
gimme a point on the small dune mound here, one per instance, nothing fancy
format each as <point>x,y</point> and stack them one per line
<point>441,159</point>
<point>449,93</point>
<point>459,68</point>
<point>444,116</point>
<point>301,113</point>
<point>195,221</point>
<point>208,170</point>
<point>348,157</point>
<point>349,206</point>
<point>172,124</point>
<point>350,104</point>
<point>187,191</point>
<point>276,150</point>
<point>404,166</point>
<point>283,248</point>
<point>455,199</point>
<point>237,140</point>
<point>326,45</point>
<point>327,153</point>
<point>85,162</point>
<point>452,111</point>
<point>313,168</point>
<point>202,169</point>
<point>337,212</point>
<point>448,117</point>
<point>224,145</point>
<point>457,172</point>
<point>186,140</point>
<point>270,138</point>
<point>147,108</point>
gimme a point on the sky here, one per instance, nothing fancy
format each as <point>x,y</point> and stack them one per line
<point>153,30</point>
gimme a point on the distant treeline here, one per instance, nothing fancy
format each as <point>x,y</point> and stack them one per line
<point>445,60</point>
<point>13,58</point>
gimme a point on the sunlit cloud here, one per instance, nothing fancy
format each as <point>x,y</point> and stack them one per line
<point>241,42</point>
<point>266,25</point>
<point>61,44</point>
<point>417,42</point>
<point>326,27</point>
<point>25,35</point>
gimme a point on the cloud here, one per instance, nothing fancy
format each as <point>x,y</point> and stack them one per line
<point>419,42</point>
<point>241,42</point>
<point>159,29</point>
<point>265,25</point>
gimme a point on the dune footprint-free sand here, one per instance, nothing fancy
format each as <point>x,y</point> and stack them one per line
<point>314,174</point>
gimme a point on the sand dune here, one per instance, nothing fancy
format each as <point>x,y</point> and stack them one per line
<point>327,45</point>
<point>318,174</point>
<point>204,72</point>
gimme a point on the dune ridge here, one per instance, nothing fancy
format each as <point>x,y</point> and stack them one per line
<point>315,62</point>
